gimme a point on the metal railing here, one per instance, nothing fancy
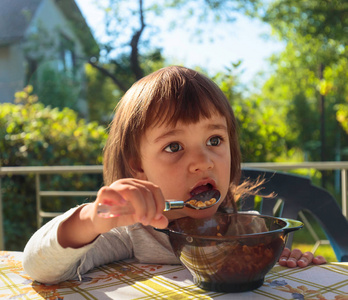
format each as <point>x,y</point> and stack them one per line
<point>98,169</point>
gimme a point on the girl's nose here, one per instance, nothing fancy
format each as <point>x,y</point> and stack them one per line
<point>200,160</point>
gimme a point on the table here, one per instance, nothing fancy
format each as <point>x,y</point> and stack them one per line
<point>131,280</point>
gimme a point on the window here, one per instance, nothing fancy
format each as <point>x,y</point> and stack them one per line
<point>67,56</point>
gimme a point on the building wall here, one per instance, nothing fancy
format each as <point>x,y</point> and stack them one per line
<point>13,64</point>
<point>54,21</point>
<point>12,68</point>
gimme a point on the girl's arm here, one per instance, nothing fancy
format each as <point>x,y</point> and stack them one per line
<point>59,249</point>
<point>45,260</point>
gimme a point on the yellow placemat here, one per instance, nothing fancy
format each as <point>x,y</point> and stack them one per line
<point>129,280</point>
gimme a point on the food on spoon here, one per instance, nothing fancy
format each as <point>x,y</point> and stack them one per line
<point>210,202</point>
<point>200,204</point>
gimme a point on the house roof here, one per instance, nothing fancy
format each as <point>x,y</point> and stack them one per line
<point>16,15</point>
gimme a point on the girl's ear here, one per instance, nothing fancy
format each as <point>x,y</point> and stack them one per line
<point>136,169</point>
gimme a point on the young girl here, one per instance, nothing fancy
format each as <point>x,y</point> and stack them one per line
<point>173,135</point>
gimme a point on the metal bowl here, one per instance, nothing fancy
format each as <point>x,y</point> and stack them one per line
<point>230,252</point>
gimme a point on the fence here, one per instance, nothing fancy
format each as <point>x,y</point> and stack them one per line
<point>342,167</point>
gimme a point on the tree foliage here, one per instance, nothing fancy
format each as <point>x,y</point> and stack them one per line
<point>102,95</point>
<point>38,135</point>
<point>58,89</point>
<point>34,135</point>
<point>311,74</point>
<point>263,132</point>
<point>342,116</point>
<point>321,19</point>
<point>131,26</point>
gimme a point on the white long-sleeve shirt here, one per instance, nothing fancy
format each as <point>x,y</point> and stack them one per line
<point>46,261</point>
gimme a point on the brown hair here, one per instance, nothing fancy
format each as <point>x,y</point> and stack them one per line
<point>168,95</point>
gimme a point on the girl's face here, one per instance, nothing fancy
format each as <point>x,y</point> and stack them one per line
<point>184,160</point>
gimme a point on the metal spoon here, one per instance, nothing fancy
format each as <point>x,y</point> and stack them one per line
<point>110,211</point>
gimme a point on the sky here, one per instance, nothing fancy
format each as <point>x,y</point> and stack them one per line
<point>242,40</point>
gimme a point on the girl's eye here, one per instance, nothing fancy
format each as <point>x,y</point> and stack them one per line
<point>214,141</point>
<point>173,147</point>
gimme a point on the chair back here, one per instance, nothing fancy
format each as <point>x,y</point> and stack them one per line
<point>294,194</point>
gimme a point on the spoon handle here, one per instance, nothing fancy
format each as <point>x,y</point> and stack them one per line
<point>110,211</point>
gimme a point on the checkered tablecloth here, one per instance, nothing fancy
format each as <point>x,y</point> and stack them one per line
<point>130,280</point>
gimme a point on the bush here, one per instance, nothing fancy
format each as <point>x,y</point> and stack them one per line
<point>34,135</point>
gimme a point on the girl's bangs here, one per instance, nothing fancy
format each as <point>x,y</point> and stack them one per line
<point>171,111</point>
<point>188,102</point>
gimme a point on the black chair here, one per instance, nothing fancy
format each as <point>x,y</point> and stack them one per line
<point>295,194</point>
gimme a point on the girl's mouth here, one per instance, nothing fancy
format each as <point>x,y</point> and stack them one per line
<point>201,188</point>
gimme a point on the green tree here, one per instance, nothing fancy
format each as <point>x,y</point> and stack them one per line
<point>342,116</point>
<point>296,84</point>
<point>311,73</point>
<point>34,135</point>
<point>322,19</point>
<point>102,92</point>
<point>263,132</point>
<point>57,89</point>
<point>129,48</point>
<point>102,95</point>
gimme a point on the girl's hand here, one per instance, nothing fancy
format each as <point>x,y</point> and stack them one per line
<point>145,197</point>
<point>296,258</point>
<point>82,227</point>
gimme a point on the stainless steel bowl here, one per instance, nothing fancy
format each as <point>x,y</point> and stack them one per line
<point>230,252</point>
